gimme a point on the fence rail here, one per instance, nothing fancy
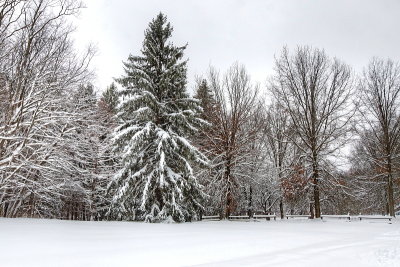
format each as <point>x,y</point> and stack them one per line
<point>348,217</point>
<point>297,216</point>
<point>373,217</point>
<point>273,216</point>
<point>211,218</point>
<point>238,217</point>
<point>264,216</point>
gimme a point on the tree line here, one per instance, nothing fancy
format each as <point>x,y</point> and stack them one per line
<point>146,150</point>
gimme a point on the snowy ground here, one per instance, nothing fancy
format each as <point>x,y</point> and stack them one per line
<point>29,242</point>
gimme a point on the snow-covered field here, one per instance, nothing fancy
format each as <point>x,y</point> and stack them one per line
<point>31,242</point>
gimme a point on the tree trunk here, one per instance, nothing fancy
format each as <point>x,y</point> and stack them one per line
<point>390,199</point>
<point>228,204</point>
<point>312,215</point>
<point>31,205</point>
<point>229,196</point>
<point>390,195</point>
<point>317,207</point>
<point>281,208</point>
<point>250,207</point>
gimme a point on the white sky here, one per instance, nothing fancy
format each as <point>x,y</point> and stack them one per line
<point>250,32</point>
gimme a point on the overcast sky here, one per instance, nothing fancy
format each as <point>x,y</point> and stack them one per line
<point>221,32</point>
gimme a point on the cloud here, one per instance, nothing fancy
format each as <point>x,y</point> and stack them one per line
<point>251,32</point>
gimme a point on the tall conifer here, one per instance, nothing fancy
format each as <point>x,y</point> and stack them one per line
<point>156,116</point>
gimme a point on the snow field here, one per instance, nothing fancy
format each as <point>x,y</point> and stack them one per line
<point>32,242</point>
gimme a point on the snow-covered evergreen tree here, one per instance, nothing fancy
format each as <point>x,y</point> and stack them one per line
<point>156,116</point>
<point>206,97</point>
<point>110,98</point>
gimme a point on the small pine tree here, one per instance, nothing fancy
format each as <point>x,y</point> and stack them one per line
<point>156,116</point>
<point>110,98</point>
<point>206,97</point>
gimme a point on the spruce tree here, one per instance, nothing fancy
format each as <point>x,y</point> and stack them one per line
<point>206,97</point>
<point>110,98</point>
<point>156,116</point>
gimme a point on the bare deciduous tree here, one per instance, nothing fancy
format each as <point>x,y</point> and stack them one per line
<point>282,152</point>
<point>379,106</point>
<point>315,91</point>
<point>39,68</point>
<point>235,128</point>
